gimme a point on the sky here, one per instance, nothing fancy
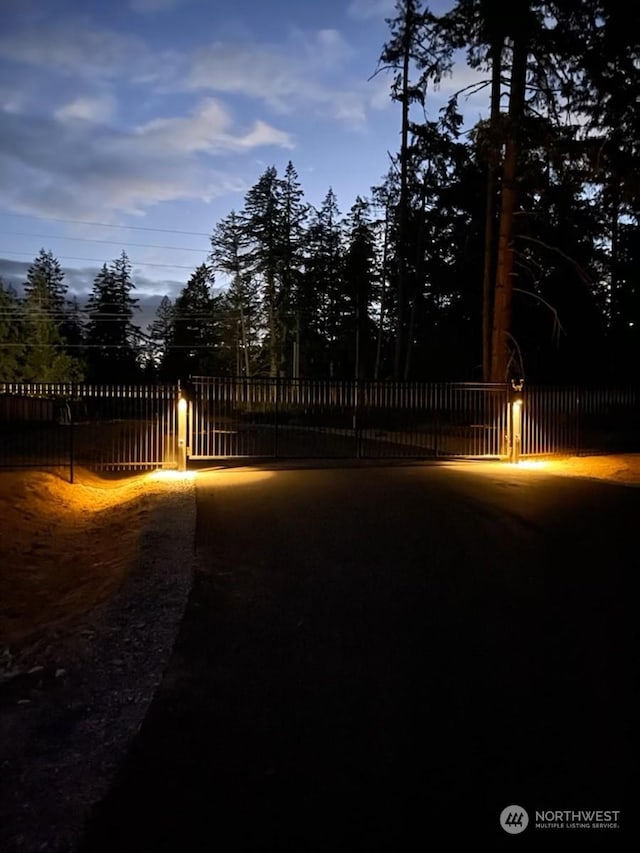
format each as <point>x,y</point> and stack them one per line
<point>138,124</point>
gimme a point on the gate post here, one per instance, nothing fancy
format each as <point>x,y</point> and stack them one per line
<point>356,419</point>
<point>182,433</point>
<point>515,421</point>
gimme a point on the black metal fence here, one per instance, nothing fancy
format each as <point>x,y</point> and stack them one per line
<point>113,427</point>
<point>134,427</point>
<point>261,417</point>
<point>580,421</point>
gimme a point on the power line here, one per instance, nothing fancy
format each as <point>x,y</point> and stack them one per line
<point>106,224</point>
<point>108,242</point>
<point>133,345</point>
<point>101,261</point>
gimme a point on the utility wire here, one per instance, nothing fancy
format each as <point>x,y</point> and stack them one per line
<point>108,242</point>
<point>101,261</point>
<point>132,345</point>
<point>107,224</point>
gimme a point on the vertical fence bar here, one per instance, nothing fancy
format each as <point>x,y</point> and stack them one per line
<point>276,398</point>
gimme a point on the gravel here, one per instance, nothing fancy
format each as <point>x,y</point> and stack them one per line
<point>67,720</point>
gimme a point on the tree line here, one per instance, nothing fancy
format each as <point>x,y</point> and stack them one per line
<point>502,251</point>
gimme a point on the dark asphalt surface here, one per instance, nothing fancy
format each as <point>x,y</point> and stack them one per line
<point>383,658</point>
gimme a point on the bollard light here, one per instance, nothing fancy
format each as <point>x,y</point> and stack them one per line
<point>182,434</point>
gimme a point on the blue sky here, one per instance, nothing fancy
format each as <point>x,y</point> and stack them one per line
<point>160,114</point>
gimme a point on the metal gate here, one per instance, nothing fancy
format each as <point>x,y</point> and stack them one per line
<point>295,418</point>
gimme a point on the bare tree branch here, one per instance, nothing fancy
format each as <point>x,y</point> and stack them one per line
<point>583,276</point>
<point>557,325</point>
<point>519,352</point>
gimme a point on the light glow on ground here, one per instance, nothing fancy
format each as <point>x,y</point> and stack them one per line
<point>620,468</point>
<point>532,464</point>
<point>172,475</point>
<point>233,477</point>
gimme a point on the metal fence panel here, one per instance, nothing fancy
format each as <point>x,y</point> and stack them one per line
<point>134,427</point>
<point>578,420</point>
<point>112,427</point>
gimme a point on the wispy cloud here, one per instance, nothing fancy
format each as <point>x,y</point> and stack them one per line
<point>98,109</point>
<point>68,48</point>
<point>82,50</point>
<point>310,70</point>
<point>55,166</point>
<point>208,129</point>
<point>307,73</point>
<point>363,10</point>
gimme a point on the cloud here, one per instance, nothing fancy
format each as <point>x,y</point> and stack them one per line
<point>256,72</point>
<point>263,134</point>
<point>70,47</point>
<point>308,73</point>
<point>78,48</point>
<point>207,130</point>
<point>364,10</point>
<point>325,49</point>
<point>54,167</point>
<point>97,109</point>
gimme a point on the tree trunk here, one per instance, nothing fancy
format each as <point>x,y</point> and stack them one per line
<point>615,229</point>
<point>296,360</point>
<point>274,350</point>
<point>404,197</point>
<point>490,211</point>
<point>417,278</point>
<point>244,337</point>
<point>504,268</point>
<point>383,291</point>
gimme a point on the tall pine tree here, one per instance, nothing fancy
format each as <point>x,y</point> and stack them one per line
<point>112,337</point>
<point>194,335</point>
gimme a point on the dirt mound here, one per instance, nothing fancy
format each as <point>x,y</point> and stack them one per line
<point>63,548</point>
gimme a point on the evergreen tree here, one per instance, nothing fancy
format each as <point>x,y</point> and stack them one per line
<point>46,278</point>
<point>293,220</point>
<point>192,349</point>
<point>112,337</point>
<point>321,289</point>
<point>240,308</point>
<point>358,333</point>
<point>11,339</point>
<point>45,359</point>
<point>72,331</point>
<point>417,55</point>
<point>263,221</point>
<point>159,338</point>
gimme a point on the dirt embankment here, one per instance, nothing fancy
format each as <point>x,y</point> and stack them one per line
<point>63,548</point>
<point>94,578</point>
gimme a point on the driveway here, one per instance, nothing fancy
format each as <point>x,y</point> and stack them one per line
<point>379,657</point>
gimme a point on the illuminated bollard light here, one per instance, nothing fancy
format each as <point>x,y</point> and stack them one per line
<point>182,434</point>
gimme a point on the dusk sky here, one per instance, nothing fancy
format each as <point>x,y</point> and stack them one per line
<point>160,114</point>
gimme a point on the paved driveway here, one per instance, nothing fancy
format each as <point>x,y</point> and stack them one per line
<point>384,657</point>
